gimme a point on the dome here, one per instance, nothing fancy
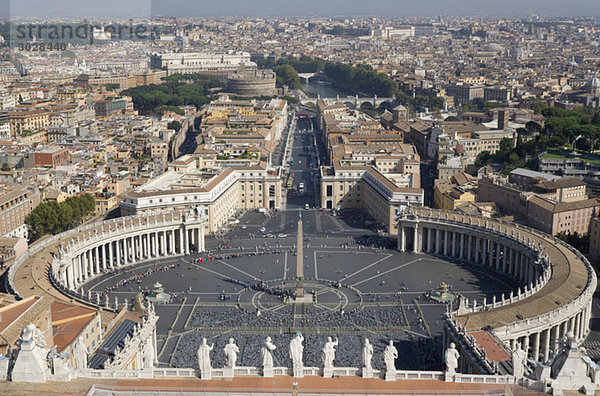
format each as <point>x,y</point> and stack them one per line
<point>494,47</point>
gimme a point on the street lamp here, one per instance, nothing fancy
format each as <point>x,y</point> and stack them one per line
<point>339,275</point>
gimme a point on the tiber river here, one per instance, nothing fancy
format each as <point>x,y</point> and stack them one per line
<point>314,90</point>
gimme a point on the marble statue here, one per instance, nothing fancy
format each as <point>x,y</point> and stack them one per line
<point>80,354</point>
<point>519,359</point>
<point>204,359</point>
<point>266,352</point>
<point>328,353</point>
<point>296,351</point>
<point>390,353</point>
<point>451,357</point>
<point>231,350</point>
<point>148,354</point>
<point>367,354</point>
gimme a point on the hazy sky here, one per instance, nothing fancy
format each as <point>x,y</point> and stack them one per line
<point>392,8</point>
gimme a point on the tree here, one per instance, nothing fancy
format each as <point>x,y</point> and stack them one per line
<point>53,217</point>
<point>287,75</point>
<point>290,99</point>
<point>175,125</point>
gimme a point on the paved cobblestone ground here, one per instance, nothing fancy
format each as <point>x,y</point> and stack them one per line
<point>381,295</point>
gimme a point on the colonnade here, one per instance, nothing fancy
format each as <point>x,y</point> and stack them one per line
<point>127,244</point>
<point>489,244</point>
<point>540,344</point>
<point>503,255</point>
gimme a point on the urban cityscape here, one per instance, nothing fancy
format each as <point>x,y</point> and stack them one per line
<point>318,198</point>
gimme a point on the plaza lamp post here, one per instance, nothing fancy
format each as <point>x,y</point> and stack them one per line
<point>338,271</point>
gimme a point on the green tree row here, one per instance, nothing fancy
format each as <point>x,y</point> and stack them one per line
<point>174,109</point>
<point>579,127</point>
<point>356,79</point>
<point>302,64</point>
<point>287,75</point>
<point>53,217</point>
<point>361,79</point>
<point>207,80</point>
<point>148,98</point>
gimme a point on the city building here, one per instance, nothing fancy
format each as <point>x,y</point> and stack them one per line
<point>218,193</point>
<point>16,202</point>
<point>51,157</point>
<point>215,63</point>
<point>464,93</point>
<point>382,196</point>
<point>450,193</point>
<point>27,121</point>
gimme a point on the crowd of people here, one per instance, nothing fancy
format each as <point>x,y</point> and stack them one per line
<point>136,278</point>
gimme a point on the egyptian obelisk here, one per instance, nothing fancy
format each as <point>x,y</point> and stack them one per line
<point>300,262</point>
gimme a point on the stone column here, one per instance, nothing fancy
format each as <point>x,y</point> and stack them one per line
<point>546,346</point>
<point>134,249</point>
<point>110,255</point>
<point>469,240</point>
<point>402,240</point>
<point>186,241</point>
<point>173,250</point>
<point>70,277</point>
<point>491,254</point>
<point>446,244</point>
<point>498,256</point>
<point>118,252</point>
<point>576,326</point>
<point>126,250</point>
<point>154,240</point>
<point>554,332</point>
<point>180,232</point>
<point>91,269</point>
<point>86,265</point>
<point>201,246</point>
<point>505,259</point>
<point>484,253</point>
<point>462,246</point>
<point>454,238</point>
<point>130,250</point>
<point>536,346</point>
<point>97,258</point>
<point>163,243</point>
<point>144,241</point>
<point>570,326</point>
<point>429,239</point>
<point>105,258</point>
<point>526,345</point>
<point>438,241</point>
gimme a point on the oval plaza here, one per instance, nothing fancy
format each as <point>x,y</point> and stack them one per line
<point>551,304</point>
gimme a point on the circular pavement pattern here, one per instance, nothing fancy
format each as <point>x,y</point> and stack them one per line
<point>362,291</point>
